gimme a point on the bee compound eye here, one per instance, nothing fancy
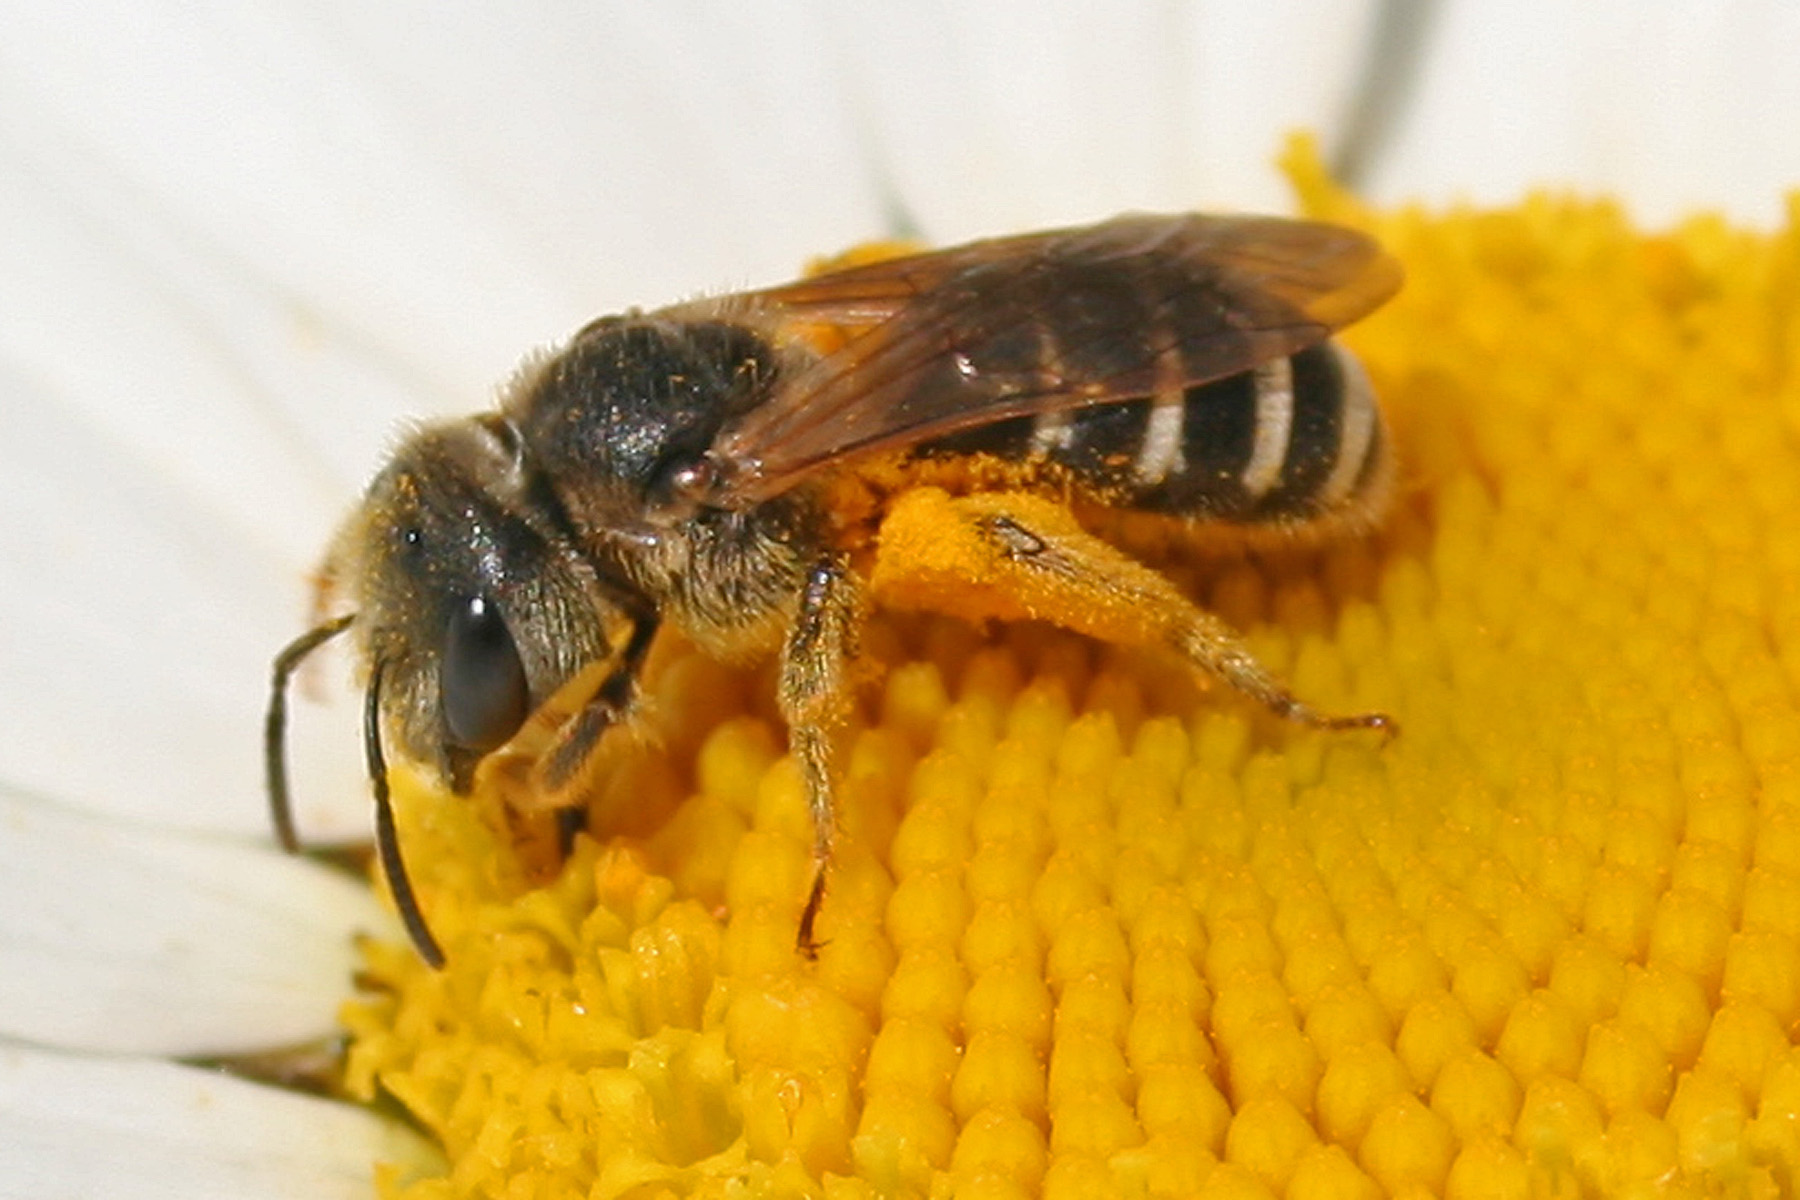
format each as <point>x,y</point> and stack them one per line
<point>482,684</point>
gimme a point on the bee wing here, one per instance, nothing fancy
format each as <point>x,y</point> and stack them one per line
<point>947,341</point>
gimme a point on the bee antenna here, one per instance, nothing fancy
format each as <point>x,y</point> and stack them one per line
<point>275,726</point>
<point>387,837</point>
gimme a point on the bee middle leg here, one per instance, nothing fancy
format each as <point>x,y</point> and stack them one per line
<point>813,696</point>
<point>1017,556</point>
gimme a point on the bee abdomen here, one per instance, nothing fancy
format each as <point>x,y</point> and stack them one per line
<point>1296,438</point>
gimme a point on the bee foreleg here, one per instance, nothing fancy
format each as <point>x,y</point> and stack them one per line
<point>559,770</point>
<point>1016,556</point>
<point>813,697</point>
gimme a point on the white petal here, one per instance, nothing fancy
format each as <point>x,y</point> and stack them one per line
<point>635,153</point>
<point>1013,115</point>
<point>1671,106</point>
<point>145,941</point>
<point>466,181</point>
<point>141,624</point>
<point>77,1128</point>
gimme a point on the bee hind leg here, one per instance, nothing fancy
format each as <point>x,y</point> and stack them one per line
<point>1016,556</point>
<point>813,698</point>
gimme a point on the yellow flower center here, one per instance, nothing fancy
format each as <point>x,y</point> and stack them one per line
<point>1094,930</point>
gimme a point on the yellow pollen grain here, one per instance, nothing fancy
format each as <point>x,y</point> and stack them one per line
<point>1096,928</point>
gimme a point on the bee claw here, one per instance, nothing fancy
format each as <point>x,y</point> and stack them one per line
<point>804,940</point>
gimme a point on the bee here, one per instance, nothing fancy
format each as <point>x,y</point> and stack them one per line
<point>946,430</point>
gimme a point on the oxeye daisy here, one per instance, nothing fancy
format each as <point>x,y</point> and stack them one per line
<point>1095,933</point>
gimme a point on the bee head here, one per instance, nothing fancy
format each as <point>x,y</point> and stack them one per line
<point>473,604</point>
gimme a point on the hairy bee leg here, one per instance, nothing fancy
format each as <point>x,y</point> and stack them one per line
<point>1215,647</point>
<point>1090,564</point>
<point>559,771</point>
<point>813,698</point>
<point>1015,556</point>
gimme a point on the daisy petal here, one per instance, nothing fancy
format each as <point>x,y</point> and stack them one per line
<point>360,154</point>
<point>77,1127</point>
<point>142,627</point>
<point>145,941</point>
<point>1012,116</point>
<point>1670,106</point>
<point>641,153</point>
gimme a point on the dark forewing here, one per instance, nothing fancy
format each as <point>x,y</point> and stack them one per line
<point>1137,306</point>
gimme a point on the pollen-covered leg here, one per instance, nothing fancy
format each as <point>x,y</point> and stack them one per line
<point>547,766</point>
<point>545,775</point>
<point>813,698</point>
<point>1015,556</point>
